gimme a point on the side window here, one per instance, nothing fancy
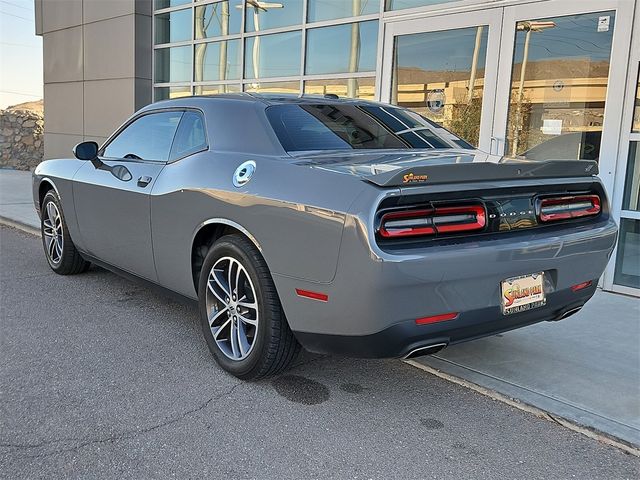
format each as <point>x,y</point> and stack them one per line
<point>147,138</point>
<point>190,137</point>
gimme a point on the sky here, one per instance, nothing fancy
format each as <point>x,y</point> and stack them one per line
<point>20,54</point>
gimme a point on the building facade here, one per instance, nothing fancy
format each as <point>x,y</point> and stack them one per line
<point>531,79</point>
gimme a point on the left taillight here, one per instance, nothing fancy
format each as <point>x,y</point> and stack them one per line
<point>563,208</point>
<point>432,221</point>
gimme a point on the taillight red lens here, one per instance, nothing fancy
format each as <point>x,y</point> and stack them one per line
<point>563,208</point>
<point>433,221</point>
<point>581,286</point>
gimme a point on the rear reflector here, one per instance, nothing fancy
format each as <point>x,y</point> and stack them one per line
<point>440,220</point>
<point>437,318</point>
<point>563,208</point>
<point>322,297</point>
<point>581,286</point>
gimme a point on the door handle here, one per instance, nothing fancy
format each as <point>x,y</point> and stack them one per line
<point>143,181</point>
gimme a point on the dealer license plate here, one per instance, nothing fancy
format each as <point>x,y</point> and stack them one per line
<point>523,293</point>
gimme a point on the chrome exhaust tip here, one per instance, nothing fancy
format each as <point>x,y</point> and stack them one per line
<point>426,350</point>
<point>569,312</point>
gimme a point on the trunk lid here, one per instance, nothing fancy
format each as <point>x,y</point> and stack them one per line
<point>401,168</point>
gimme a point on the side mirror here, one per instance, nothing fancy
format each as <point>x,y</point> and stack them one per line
<point>86,151</point>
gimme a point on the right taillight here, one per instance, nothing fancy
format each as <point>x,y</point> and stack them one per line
<point>567,207</point>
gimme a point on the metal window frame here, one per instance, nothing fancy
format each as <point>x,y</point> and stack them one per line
<point>626,137</point>
<point>301,77</point>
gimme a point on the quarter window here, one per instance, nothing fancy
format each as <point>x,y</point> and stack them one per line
<point>146,138</point>
<point>190,136</point>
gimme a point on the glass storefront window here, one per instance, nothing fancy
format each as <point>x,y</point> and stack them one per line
<point>276,55</point>
<point>273,87</point>
<point>636,110</point>
<point>559,85</point>
<point>344,48</point>
<point>217,61</point>
<point>272,15</point>
<point>217,19</point>
<point>631,200</point>
<point>164,93</point>
<point>216,89</point>
<point>363,87</point>
<point>628,259</point>
<point>441,76</point>
<point>173,64</point>
<point>319,10</point>
<point>400,4</point>
<point>173,26</point>
<point>169,3</point>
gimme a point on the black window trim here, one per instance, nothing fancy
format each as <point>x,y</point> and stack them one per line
<point>119,130</point>
<point>205,148</point>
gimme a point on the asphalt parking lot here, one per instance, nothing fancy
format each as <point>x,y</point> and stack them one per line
<point>103,378</point>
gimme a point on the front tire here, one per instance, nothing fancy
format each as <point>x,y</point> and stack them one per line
<point>242,318</point>
<point>61,253</point>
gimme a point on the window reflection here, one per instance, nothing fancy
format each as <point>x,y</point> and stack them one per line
<point>173,64</point>
<point>276,55</point>
<point>165,93</point>
<point>400,4</point>
<point>363,88</point>
<point>216,89</point>
<point>170,3</point>
<point>559,86</point>
<point>628,258</point>
<point>273,87</point>
<point>217,61</point>
<point>345,48</point>
<point>217,19</point>
<point>441,76</point>
<point>631,200</point>
<point>319,10</point>
<point>636,110</point>
<point>261,16</point>
<point>173,26</point>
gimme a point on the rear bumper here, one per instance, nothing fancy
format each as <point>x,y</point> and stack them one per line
<point>400,339</point>
<point>375,298</point>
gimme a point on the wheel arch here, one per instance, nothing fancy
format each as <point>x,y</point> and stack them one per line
<point>46,184</point>
<point>206,234</point>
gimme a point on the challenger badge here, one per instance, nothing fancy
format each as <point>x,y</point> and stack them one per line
<point>411,178</point>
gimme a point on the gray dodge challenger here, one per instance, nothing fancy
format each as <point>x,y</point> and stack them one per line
<point>342,226</point>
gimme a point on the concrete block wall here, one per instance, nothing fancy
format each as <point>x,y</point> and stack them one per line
<point>97,67</point>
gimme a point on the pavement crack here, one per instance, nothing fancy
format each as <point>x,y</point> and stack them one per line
<point>127,435</point>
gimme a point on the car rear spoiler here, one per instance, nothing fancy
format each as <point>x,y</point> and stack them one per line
<point>483,171</point>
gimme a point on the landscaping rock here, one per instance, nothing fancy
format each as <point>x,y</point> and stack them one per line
<point>21,139</point>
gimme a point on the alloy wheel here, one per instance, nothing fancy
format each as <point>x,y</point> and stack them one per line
<point>232,308</point>
<point>52,230</point>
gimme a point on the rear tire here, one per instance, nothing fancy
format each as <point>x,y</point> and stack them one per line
<point>61,253</point>
<point>244,326</point>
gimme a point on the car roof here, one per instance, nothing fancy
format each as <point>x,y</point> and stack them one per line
<point>266,99</point>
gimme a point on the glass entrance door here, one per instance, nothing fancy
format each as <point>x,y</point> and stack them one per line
<point>441,68</point>
<point>557,70</point>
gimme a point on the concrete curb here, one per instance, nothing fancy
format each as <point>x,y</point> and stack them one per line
<point>19,225</point>
<point>594,434</point>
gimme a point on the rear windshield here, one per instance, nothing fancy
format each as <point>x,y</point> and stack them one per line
<point>305,127</point>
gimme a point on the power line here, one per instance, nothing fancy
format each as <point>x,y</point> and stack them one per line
<point>17,16</point>
<point>16,6</point>
<point>21,93</point>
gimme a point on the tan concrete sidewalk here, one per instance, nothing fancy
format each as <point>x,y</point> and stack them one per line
<point>585,368</point>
